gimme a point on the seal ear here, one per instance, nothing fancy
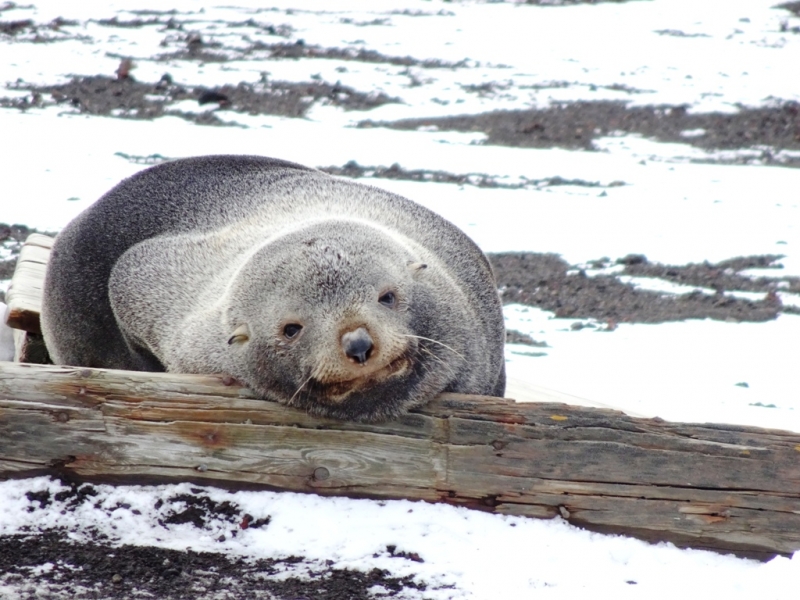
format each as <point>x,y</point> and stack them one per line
<point>416,267</point>
<point>240,335</point>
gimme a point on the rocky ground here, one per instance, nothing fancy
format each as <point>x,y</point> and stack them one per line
<point>53,565</point>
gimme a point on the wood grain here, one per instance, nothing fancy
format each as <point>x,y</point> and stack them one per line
<point>24,296</point>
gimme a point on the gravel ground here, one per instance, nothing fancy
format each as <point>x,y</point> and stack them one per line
<point>97,569</point>
<point>577,125</point>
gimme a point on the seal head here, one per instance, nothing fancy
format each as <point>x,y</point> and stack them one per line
<point>327,320</point>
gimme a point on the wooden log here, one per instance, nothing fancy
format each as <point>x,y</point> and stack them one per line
<point>726,488</point>
<point>24,296</point>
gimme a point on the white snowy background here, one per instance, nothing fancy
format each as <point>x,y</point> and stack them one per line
<point>714,56</point>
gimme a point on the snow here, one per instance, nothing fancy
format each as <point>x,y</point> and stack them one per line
<point>708,56</point>
<point>466,554</point>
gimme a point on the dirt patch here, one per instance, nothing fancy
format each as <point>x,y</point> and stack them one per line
<point>578,125</point>
<point>193,46</point>
<point>491,89</point>
<point>300,49</point>
<point>356,171</point>
<point>27,30</point>
<point>548,282</point>
<point>721,276</point>
<point>792,7</point>
<point>517,337</point>
<point>53,564</point>
<point>127,98</point>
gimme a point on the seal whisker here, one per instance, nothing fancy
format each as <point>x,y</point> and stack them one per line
<point>302,385</point>
<point>419,337</point>
<point>439,360</point>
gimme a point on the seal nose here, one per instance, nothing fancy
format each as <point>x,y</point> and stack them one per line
<point>357,345</point>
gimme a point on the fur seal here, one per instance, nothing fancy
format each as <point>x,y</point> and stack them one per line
<point>335,297</point>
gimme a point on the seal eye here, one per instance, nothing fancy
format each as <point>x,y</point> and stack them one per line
<point>291,330</point>
<point>388,299</point>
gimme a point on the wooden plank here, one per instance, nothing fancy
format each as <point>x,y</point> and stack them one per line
<point>40,240</point>
<point>728,488</point>
<point>24,296</point>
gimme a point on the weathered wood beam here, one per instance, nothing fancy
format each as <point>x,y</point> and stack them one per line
<point>720,487</point>
<point>24,297</point>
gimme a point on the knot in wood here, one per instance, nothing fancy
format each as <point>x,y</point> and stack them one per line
<point>62,417</point>
<point>58,463</point>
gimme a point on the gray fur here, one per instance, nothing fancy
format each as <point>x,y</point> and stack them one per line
<point>197,265</point>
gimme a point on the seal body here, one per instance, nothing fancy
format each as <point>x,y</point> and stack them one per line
<point>320,293</point>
